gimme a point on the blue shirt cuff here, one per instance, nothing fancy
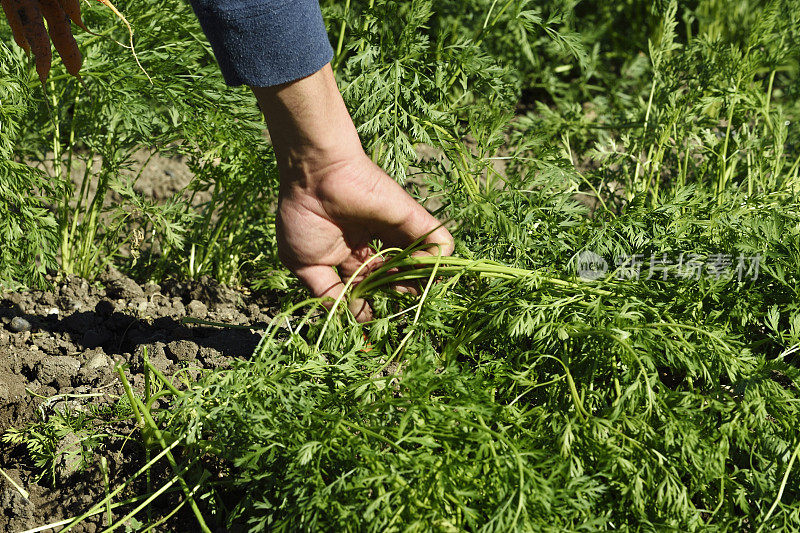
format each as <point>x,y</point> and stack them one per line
<point>262,43</point>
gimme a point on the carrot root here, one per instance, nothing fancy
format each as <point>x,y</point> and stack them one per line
<point>16,26</point>
<point>61,34</point>
<point>73,10</point>
<point>119,15</point>
<point>35,33</point>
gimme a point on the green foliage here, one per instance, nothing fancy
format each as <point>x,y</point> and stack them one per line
<point>527,404</point>
<point>235,233</point>
<point>67,437</point>
<point>97,129</point>
<point>412,71</point>
<point>705,105</point>
<point>27,230</point>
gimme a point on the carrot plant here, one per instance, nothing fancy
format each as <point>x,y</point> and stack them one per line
<point>714,102</point>
<point>524,397</point>
<point>411,73</point>
<point>653,387</point>
<point>27,229</point>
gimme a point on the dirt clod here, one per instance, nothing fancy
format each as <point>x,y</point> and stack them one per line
<point>19,324</point>
<point>182,350</point>
<point>124,289</point>
<point>68,458</point>
<point>96,337</point>
<point>104,308</point>
<point>12,388</point>
<point>57,370</point>
<point>197,309</point>
<point>14,505</point>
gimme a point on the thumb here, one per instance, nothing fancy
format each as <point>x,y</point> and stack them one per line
<point>419,224</point>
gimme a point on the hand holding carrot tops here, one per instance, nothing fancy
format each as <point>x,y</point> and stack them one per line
<point>333,200</point>
<point>26,18</point>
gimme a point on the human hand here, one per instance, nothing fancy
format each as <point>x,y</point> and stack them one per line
<point>331,222</point>
<point>26,18</point>
<point>333,200</point>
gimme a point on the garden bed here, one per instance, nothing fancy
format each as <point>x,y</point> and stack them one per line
<point>59,351</point>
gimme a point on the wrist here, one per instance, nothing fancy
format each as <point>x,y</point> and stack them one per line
<point>310,167</point>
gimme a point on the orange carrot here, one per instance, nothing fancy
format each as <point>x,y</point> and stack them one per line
<point>16,25</point>
<point>61,35</point>
<point>73,9</point>
<point>35,33</point>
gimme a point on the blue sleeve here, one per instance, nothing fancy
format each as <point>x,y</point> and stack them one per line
<point>265,42</point>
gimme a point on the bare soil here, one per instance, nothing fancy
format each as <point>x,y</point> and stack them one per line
<point>59,349</point>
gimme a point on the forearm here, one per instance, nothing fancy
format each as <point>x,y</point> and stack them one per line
<point>310,126</point>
